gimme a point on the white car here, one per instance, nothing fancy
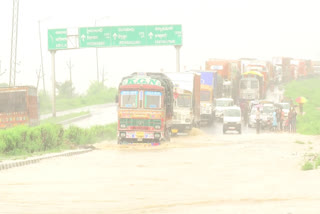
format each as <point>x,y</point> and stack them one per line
<point>232,119</point>
<point>220,105</point>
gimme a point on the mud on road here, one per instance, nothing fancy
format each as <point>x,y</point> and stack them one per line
<point>192,174</point>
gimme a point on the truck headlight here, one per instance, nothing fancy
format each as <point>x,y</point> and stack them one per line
<point>157,127</point>
<point>122,134</point>
<point>122,125</point>
<point>157,135</point>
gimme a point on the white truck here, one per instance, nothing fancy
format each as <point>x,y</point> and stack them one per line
<point>186,106</point>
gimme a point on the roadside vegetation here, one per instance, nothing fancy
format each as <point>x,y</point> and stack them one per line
<point>24,141</point>
<point>64,117</point>
<point>66,99</point>
<point>312,163</point>
<point>309,123</point>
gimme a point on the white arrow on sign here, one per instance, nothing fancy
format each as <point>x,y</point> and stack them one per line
<point>114,36</point>
<point>150,35</point>
<point>83,37</point>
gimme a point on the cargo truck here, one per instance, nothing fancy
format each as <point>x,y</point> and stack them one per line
<point>18,106</point>
<point>186,106</point>
<point>145,108</point>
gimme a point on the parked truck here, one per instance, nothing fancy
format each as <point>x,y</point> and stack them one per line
<point>145,108</point>
<point>281,68</point>
<point>207,94</point>
<point>186,106</point>
<point>227,75</point>
<point>18,106</point>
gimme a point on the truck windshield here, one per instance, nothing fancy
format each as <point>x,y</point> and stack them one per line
<point>224,103</point>
<point>244,84</point>
<point>232,113</point>
<point>152,99</point>
<point>268,109</point>
<point>184,100</point>
<point>204,96</point>
<point>254,84</point>
<point>13,102</point>
<point>129,99</point>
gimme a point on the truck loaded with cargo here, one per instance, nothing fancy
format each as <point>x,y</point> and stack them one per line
<point>18,106</point>
<point>145,108</point>
<point>186,105</point>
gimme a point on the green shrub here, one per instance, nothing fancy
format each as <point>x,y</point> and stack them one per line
<point>317,162</point>
<point>307,166</point>
<point>22,140</point>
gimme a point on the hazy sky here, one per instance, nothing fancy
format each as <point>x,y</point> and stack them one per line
<point>211,29</point>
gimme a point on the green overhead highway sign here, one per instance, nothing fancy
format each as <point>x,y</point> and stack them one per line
<point>57,39</point>
<point>119,36</point>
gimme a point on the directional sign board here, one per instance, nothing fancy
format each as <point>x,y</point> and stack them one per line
<point>119,36</point>
<point>57,39</point>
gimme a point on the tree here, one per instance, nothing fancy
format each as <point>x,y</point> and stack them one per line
<point>65,89</point>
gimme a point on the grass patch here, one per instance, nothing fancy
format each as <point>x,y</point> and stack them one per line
<point>307,166</point>
<point>317,162</point>
<point>308,124</point>
<point>299,142</point>
<point>64,117</point>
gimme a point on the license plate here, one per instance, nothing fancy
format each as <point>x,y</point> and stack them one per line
<point>174,130</point>
<point>140,134</point>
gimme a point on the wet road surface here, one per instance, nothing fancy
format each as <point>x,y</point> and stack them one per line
<point>204,173</point>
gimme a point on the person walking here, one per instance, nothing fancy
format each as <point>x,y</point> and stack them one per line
<point>293,120</point>
<point>258,120</point>
<point>275,121</point>
<point>282,119</point>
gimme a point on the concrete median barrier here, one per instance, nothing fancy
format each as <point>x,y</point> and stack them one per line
<point>18,163</point>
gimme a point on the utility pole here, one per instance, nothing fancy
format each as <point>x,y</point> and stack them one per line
<point>97,57</point>
<point>70,66</point>
<point>38,73</point>
<point>14,39</point>
<point>43,82</point>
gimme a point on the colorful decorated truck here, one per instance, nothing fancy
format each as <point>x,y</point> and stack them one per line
<point>18,106</point>
<point>145,108</point>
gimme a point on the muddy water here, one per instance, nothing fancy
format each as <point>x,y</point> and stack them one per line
<point>197,174</point>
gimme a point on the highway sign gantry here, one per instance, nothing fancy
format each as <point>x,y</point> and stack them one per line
<point>120,36</point>
<point>57,39</point>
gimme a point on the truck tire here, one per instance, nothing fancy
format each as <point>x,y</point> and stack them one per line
<point>119,141</point>
<point>167,135</point>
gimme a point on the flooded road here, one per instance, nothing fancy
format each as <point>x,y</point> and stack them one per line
<point>196,174</point>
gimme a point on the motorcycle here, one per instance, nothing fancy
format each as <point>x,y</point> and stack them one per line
<point>266,124</point>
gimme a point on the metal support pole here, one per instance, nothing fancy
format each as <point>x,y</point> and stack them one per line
<point>97,64</point>
<point>177,57</point>
<point>53,83</point>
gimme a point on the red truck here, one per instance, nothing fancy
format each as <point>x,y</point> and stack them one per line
<point>282,69</point>
<point>228,71</point>
<point>18,106</point>
<point>145,108</point>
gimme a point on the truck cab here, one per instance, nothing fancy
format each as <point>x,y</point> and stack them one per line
<point>186,106</point>
<point>144,108</point>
